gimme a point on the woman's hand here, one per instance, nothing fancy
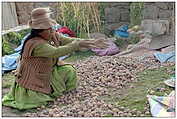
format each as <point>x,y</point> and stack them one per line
<point>61,63</point>
<point>100,43</point>
<point>56,38</point>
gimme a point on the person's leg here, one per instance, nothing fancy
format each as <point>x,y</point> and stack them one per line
<point>22,98</point>
<point>71,79</point>
<point>64,79</point>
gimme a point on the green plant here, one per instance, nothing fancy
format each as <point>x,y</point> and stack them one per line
<point>11,40</point>
<point>132,39</point>
<point>135,39</point>
<point>14,38</point>
<point>121,42</point>
<point>136,13</point>
<point>81,17</point>
<point>101,8</point>
<point>6,48</point>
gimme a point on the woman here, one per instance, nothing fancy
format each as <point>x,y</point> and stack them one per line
<point>41,77</point>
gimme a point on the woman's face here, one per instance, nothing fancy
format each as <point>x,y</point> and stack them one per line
<point>47,34</point>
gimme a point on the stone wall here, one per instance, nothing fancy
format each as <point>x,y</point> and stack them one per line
<point>158,10</point>
<point>117,14</point>
<point>161,11</point>
<point>24,9</point>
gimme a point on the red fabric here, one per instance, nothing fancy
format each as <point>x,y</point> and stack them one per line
<point>66,30</point>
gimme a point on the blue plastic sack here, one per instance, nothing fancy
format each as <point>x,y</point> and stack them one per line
<point>122,32</point>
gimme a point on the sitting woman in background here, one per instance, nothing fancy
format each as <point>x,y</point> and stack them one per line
<point>41,77</point>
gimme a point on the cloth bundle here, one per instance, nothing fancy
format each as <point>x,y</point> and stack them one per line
<point>111,50</point>
<point>162,106</point>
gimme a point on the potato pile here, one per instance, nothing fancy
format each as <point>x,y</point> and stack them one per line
<point>98,78</point>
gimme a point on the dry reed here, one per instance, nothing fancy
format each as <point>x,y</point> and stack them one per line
<point>81,17</point>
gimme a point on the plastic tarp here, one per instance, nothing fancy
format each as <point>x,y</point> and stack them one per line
<point>122,32</point>
<point>9,62</point>
<point>162,106</point>
<point>165,57</point>
<point>171,82</point>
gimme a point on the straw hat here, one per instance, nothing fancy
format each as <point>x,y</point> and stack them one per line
<point>40,19</point>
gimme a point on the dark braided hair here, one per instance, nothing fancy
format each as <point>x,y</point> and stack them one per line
<point>34,33</point>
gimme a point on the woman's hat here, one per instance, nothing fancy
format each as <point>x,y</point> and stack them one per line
<point>40,19</point>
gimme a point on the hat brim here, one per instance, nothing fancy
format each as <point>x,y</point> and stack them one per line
<point>43,25</point>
